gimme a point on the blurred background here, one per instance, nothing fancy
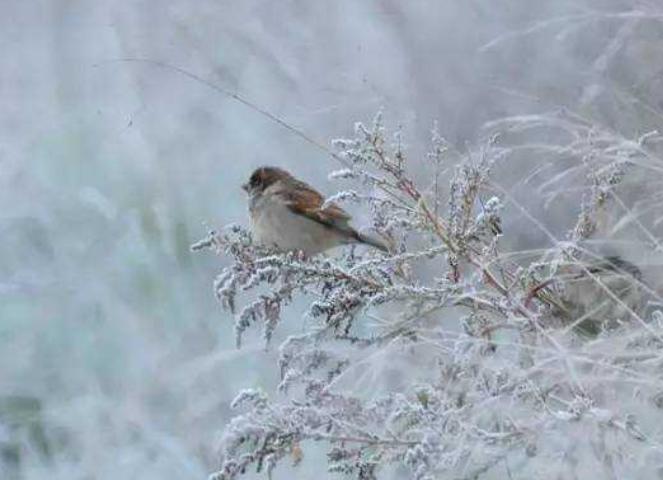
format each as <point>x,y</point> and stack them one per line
<point>115,359</point>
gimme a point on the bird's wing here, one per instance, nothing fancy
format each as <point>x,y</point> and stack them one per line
<point>617,265</point>
<point>304,200</point>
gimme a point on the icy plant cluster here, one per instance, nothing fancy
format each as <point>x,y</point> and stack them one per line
<point>544,365</point>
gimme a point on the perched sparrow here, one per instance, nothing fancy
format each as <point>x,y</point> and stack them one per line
<point>287,213</point>
<point>601,293</point>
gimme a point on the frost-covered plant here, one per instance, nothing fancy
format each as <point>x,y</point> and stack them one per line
<point>496,364</point>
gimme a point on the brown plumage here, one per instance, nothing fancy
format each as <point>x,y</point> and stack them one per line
<point>274,192</point>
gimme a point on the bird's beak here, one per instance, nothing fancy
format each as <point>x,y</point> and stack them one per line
<point>245,187</point>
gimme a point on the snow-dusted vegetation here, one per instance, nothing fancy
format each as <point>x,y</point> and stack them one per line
<point>499,360</point>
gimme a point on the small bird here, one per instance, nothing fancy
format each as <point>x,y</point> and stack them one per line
<point>601,293</point>
<point>288,214</point>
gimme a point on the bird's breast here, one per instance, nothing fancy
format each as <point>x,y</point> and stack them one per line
<point>274,224</point>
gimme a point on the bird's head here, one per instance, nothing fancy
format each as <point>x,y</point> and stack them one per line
<point>264,177</point>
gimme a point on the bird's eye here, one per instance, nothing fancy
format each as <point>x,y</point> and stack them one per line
<point>256,180</point>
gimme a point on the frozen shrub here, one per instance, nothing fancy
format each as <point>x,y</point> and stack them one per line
<point>541,364</point>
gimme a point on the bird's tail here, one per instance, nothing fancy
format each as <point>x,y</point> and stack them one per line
<point>373,242</point>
